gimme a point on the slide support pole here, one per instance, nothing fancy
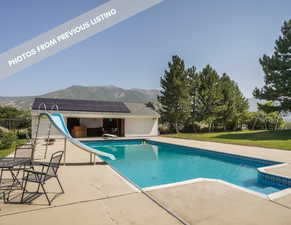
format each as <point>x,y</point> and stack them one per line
<point>90,158</point>
<point>65,151</point>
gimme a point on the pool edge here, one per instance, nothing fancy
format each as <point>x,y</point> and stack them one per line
<point>261,170</point>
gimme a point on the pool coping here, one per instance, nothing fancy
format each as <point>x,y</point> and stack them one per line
<point>272,196</point>
<point>125,179</point>
<point>261,171</point>
<point>257,159</point>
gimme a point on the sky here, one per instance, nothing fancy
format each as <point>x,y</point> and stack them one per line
<point>230,35</point>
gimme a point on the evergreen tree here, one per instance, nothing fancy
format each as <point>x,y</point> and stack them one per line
<point>228,109</point>
<point>241,108</point>
<point>175,95</point>
<point>151,105</point>
<point>273,120</point>
<point>194,83</point>
<point>277,69</point>
<point>209,95</point>
<point>234,105</point>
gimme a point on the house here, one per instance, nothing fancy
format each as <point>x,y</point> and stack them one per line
<point>86,118</point>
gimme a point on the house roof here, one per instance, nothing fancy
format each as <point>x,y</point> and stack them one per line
<point>102,107</point>
<point>79,105</point>
<point>138,109</point>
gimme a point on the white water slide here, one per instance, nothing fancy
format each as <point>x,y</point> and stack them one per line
<point>57,120</point>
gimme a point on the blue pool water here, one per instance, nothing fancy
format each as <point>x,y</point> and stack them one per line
<point>148,163</point>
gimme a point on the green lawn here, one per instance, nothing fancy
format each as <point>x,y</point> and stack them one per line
<point>5,152</point>
<point>268,139</point>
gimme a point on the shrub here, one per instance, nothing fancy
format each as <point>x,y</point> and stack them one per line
<point>7,139</point>
<point>21,134</point>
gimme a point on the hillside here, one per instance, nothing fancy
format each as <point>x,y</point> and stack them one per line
<point>105,93</point>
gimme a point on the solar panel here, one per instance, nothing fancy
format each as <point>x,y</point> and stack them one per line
<point>79,105</point>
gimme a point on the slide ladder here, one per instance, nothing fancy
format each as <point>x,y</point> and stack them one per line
<point>37,125</point>
<point>55,106</point>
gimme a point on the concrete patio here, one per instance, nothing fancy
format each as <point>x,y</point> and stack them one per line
<point>96,194</point>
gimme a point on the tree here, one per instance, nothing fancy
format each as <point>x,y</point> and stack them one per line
<point>266,120</point>
<point>228,103</point>
<point>8,112</point>
<point>151,105</point>
<point>194,83</point>
<point>175,95</point>
<point>273,120</point>
<point>277,69</point>
<point>11,117</point>
<point>209,95</point>
<point>233,105</point>
<point>241,106</point>
<point>257,120</point>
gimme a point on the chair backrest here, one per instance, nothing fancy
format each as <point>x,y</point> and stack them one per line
<point>26,153</point>
<point>54,163</point>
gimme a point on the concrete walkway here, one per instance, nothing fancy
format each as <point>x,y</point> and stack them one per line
<point>216,203</point>
<point>95,194</point>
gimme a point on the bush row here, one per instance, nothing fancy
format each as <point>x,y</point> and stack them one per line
<point>7,139</point>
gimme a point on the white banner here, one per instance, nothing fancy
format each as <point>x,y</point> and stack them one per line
<point>70,33</point>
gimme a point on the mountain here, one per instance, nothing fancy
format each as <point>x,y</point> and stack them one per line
<point>105,93</point>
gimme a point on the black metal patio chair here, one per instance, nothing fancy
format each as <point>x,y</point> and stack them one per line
<point>24,152</point>
<point>48,171</point>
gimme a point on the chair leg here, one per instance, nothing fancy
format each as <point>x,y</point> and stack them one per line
<point>44,191</point>
<point>24,190</point>
<point>4,197</point>
<point>1,175</point>
<point>60,184</point>
<point>38,186</point>
<point>15,181</point>
<point>3,193</point>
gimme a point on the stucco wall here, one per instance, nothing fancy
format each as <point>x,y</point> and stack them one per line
<point>133,127</point>
<point>141,127</point>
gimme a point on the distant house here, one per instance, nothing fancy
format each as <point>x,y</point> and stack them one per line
<point>87,118</point>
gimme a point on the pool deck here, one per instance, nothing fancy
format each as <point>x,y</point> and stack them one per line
<point>96,194</point>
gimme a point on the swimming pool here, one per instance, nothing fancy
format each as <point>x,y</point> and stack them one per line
<point>149,163</point>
